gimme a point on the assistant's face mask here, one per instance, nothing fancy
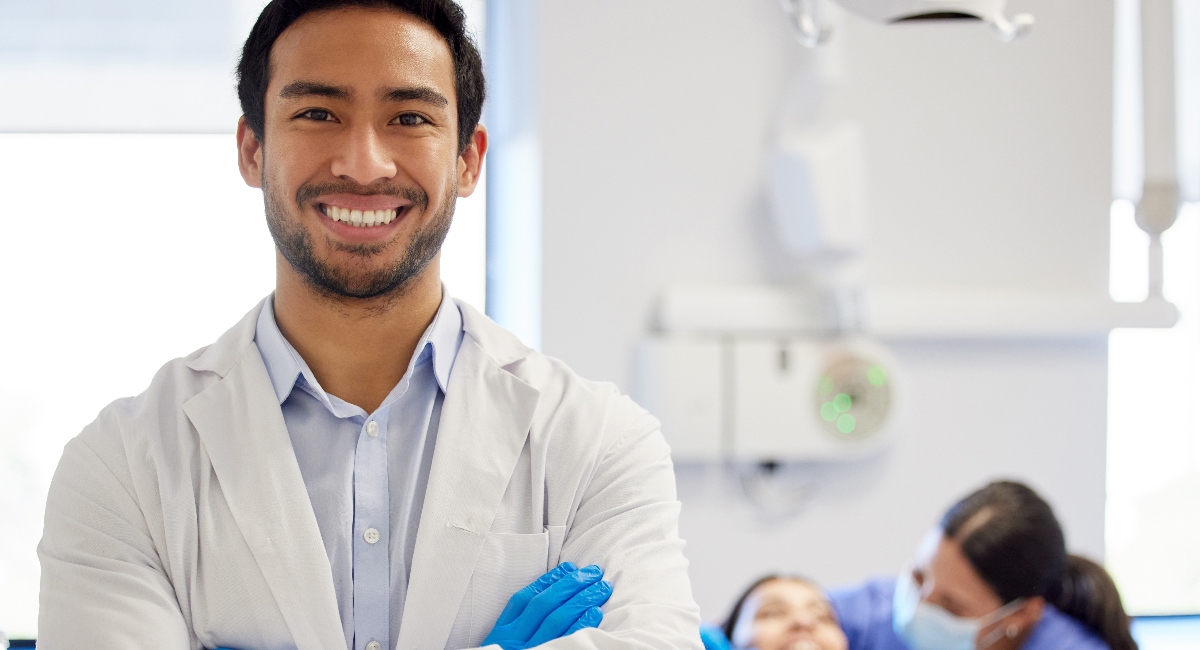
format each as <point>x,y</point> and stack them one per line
<point>924,626</point>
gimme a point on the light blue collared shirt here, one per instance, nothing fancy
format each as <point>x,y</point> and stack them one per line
<point>366,472</point>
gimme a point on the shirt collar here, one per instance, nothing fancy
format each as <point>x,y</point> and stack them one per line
<point>285,366</point>
<point>444,337</point>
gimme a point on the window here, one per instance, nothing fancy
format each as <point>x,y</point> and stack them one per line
<point>1152,532</point>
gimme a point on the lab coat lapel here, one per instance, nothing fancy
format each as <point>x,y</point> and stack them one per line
<point>242,428</point>
<point>485,421</point>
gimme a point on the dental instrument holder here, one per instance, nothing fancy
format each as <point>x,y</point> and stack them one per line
<point>1159,204</point>
<point>810,168</point>
<point>805,19</point>
<point>1010,30</point>
<point>1156,213</point>
<point>779,491</point>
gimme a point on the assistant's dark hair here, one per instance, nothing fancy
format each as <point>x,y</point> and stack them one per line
<point>731,622</point>
<point>1089,594</point>
<point>1011,537</point>
<point>445,16</point>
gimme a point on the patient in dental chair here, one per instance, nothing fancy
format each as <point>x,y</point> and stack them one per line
<point>779,613</point>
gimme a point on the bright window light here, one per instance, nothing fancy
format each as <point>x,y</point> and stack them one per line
<point>1128,255</point>
<point>1153,474</point>
<point>464,255</point>
<point>1152,531</point>
<point>123,251</point>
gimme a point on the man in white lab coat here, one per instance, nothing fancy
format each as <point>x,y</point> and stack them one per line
<point>363,462</point>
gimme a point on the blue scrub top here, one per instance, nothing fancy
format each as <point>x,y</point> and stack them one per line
<point>865,613</point>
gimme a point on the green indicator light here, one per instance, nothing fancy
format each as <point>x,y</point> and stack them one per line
<point>845,423</point>
<point>825,386</point>
<point>829,412</point>
<point>843,402</point>
<point>876,376</point>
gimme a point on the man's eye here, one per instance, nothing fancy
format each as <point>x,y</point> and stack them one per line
<point>410,119</point>
<point>318,114</point>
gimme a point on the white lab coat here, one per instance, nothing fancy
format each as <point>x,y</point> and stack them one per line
<point>179,519</point>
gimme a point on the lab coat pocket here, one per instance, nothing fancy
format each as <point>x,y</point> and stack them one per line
<point>557,535</point>
<point>507,563</point>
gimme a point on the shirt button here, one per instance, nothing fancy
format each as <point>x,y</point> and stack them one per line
<point>373,645</point>
<point>372,430</point>
<point>372,536</point>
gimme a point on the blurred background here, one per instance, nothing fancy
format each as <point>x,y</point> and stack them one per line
<point>856,271</point>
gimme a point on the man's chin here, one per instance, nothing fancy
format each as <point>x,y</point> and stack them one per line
<point>358,287</point>
<point>357,271</point>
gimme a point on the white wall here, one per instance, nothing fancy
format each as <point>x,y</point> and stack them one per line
<point>989,167</point>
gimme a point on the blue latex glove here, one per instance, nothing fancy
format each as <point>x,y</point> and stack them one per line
<point>713,638</point>
<point>561,602</point>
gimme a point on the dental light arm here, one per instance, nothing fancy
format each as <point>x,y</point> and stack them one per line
<point>805,19</point>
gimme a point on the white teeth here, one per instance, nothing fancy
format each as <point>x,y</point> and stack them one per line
<point>360,218</point>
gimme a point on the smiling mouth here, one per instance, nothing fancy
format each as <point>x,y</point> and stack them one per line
<point>360,218</point>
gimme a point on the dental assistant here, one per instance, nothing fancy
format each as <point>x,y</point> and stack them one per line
<point>363,462</point>
<point>995,575</point>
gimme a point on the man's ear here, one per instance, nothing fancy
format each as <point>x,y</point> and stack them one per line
<point>249,154</point>
<point>470,161</point>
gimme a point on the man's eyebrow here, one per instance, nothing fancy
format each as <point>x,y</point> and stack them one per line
<point>311,88</point>
<point>418,93</point>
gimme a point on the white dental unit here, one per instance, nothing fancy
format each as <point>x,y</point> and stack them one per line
<point>798,371</point>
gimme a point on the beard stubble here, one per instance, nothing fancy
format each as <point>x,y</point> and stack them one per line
<point>357,281</point>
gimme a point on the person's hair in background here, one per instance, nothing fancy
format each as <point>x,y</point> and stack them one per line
<point>1088,594</point>
<point>789,613</point>
<point>254,66</point>
<point>1010,535</point>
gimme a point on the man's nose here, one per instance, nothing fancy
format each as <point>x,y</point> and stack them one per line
<point>363,158</point>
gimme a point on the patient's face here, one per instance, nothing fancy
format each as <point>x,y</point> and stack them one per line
<point>791,615</point>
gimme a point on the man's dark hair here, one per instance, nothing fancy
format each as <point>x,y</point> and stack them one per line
<point>445,16</point>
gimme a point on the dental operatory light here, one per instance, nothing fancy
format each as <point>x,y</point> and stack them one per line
<point>853,396</point>
<point>810,28</point>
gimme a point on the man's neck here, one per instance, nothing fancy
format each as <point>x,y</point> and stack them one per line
<point>357,349</point>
